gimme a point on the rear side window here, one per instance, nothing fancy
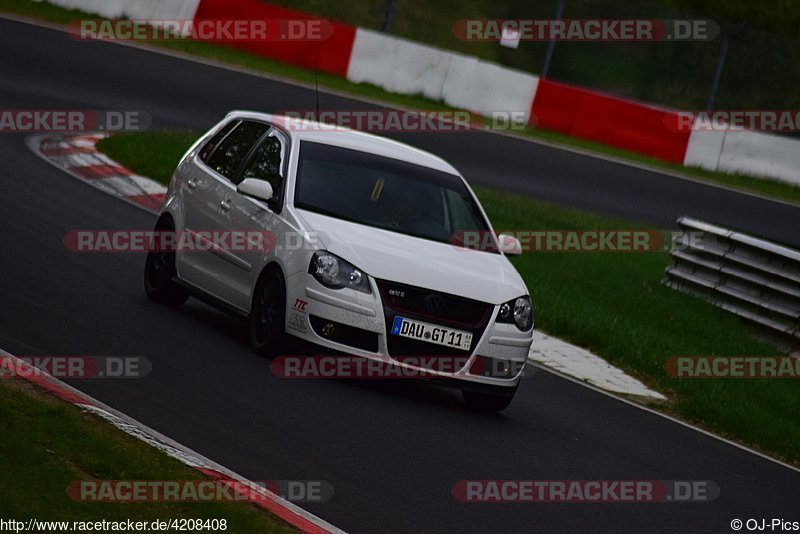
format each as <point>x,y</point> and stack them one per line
<point>266,164</point>
<point>233,149</point>
<point>216,140</point>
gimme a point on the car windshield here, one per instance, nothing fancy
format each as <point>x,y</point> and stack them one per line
<point>386,193</point>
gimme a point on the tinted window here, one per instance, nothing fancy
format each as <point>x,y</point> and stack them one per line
<point>266,164</point>
<point>384,193</point>
<point>230,154</point>
<point>216,140</point>
<point>460,216</point>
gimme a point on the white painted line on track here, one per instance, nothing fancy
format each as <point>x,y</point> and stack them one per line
<point>668,417</point>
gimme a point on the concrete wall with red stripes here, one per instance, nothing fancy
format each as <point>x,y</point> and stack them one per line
<point>595,116</point>
<point>134,9</point>
<point>745,152</point>
<point>402,66</point>
<point>331,55</point>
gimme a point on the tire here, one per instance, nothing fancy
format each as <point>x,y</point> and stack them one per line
<point>159,273</point>
<point>267,319</point>
<point>492,399</point>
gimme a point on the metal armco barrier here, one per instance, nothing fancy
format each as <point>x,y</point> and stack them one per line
<point>756,279</point>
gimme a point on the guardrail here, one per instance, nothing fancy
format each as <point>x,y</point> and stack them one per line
<point>754,278</point>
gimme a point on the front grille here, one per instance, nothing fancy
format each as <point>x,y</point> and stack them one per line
<point>433,307</point>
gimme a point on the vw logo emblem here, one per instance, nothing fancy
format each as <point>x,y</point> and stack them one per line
<point>435,305</point>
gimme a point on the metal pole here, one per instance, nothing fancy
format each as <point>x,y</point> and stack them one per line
<point>388,19</point>
<point>551,44</point>
<point>723,54</point>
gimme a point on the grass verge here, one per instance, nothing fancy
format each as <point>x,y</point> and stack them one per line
<point>610,303</point>
<point>47,443</point>
<point>55,14</point>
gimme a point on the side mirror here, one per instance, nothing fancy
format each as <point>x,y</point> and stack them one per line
<point>509,245</point>
<point>260,189</point>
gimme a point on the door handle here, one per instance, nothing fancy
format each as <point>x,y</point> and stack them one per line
<point>225,205</point>
<point>192,183</point>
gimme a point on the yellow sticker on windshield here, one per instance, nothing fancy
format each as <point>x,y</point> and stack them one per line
<point>376,191</point>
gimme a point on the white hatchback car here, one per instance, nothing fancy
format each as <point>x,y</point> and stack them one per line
<point>364,264</point>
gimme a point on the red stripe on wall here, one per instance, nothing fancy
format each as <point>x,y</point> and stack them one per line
<point>609,120</point>
<point>331,55</point>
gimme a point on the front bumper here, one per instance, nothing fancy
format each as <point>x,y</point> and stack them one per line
<point>361,328</point>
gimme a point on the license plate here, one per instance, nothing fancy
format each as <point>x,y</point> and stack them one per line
<point>431,333</point>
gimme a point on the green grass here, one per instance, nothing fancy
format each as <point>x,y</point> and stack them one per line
<point>46,444</point>
<point>169,146</point>
<point>615,305</point>
<point>228,56</point>
<point>610,303</point>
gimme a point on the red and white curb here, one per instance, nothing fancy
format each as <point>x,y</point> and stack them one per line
<point>280,507</point>
<point>78,155</point>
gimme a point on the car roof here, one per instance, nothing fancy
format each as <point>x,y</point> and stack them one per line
<point>303,130</point>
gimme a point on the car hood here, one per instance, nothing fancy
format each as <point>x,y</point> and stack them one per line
<point>419,262</point>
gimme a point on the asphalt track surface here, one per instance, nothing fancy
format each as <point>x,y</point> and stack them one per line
<point>392,451</point>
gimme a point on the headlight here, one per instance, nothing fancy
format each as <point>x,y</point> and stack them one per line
<point>334,272</point>
<point>518,311</point>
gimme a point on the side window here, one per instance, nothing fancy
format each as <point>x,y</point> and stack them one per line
<point>266,164</point>
<point>460,217</point>
<point>216,140</point>
<point>232,151</point>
